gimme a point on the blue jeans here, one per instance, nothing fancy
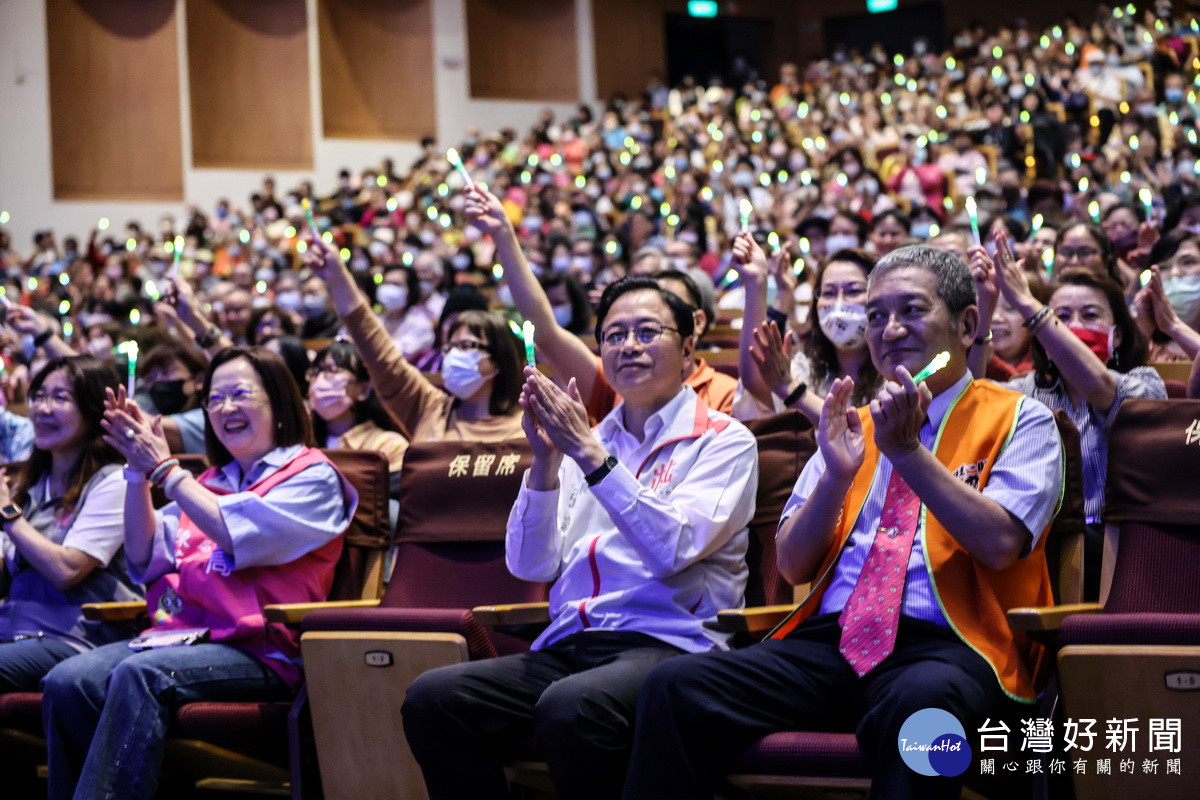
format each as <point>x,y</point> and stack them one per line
<point>107,711</point>
<point>24,662</point>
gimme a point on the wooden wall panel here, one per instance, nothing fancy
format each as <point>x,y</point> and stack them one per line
<point>249,83</point>
<point>630,45</point>
<point>114,100</point>
<point>377,68</point>
<point>523,50</point>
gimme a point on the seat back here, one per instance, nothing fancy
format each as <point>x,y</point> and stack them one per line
<point>359,571</point>
<point>1153,465</point>
<point>455,498</point>
<point>785,443</point>
<point>1064,543</point>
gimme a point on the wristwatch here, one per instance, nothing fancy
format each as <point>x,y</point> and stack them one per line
<point>11,513</point>
<point>209,337</point>
<point>600,472</point>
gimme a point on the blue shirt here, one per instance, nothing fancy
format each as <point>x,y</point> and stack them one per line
<point>1025,481</point>
<point>16,436</point>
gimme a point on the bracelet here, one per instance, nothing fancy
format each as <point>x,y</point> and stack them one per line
<point>42,337</point>
<point>1037,320</point>
<point>174,478</point>
<point>795,394</point>
<point>984,340</point>
<point>159,464</point>
<point>133,475</point>
<point>159,473</point>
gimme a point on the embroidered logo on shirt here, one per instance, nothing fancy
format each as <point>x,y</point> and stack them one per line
<point>219,563</point>
<point>662,475</point>
<point>969,473</point>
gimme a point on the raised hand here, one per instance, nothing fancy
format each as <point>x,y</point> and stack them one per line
<point>139,439</point>
<point>484,210</point>
<point>24,319</point>
<point>773,357</point>
<point>983,271</point>
<point>749,259</point>
<point>839,432</point>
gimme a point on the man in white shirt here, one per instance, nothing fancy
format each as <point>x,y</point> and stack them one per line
<point>641,523</point>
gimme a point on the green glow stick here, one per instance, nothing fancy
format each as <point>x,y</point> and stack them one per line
<point>456,161</point>
<point>130,349</point>
<point>1147,202</point>
<point>312,223</point>
<point>527,335</point>
<point>939,361</point>
<point>177,246</point>
<point>745,209</point>
<point>1048,262</point>
<point>973,216</point>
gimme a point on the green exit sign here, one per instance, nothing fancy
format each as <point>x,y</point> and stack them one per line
<point>705,8</point>
<point>876,6</point>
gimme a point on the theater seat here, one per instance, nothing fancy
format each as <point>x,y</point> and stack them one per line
<point>808,760</point>
<point>454,506</point>
<point>1140,657</point>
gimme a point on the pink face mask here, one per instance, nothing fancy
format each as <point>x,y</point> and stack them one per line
<point>328,396</point>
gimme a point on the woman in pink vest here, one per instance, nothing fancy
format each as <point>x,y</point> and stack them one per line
<point>265,526</point>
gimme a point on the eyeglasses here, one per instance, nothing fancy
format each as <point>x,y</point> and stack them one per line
<point>53,399</point>
<point>464,345</point>
<point>1076,253</point>
<point>240,397</point>
<point>312,373</point>
<point>645,333</point>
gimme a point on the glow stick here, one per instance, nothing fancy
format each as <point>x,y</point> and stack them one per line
<point>178,247</point>
<point>973,216</point>
<point>939,361</point>
<point>1036,225</point>
<point>1147,202</point>
<point>312,223</point>
<point>773,242</point>
<point>527,335</point>
<point>130,349</point>
<point>1048,262</point>
<point>456,161</point>
<point>745,209</point>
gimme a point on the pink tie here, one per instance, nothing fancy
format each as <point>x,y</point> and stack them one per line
<point>873,609</point>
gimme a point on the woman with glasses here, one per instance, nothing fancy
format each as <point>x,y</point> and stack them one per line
<point>263,526</point>
<point>62,526</point>
<point>836,347</point>
<point>480,372</point>
<point>346,411</point>
<point>1088,357</point>
<point>1086,245</point>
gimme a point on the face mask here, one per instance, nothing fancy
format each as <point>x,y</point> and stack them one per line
<point>560,263</point>
<point>391,296</point>
<point>680,263</point>
<point>504,294</point>
<point>427,237</point>
<point>328,395</point>
<point>101,346</point>
<point>532,223</point>
<point>1174,94</point>
<point>1098,340</point>
<point>427,288</point>
<point>845,324</point>
<point>314,304</point>
<point>1124,242</point>
<point>562,315</point>
<point>460,372</point>
<point>168,396</point>
<point>289,300</point>
<point>840,241</point>
<point>583,263</point>
<point>919,158</point>
<point>113,272</point>
<point>922,229</point>
<point>1183,292</point>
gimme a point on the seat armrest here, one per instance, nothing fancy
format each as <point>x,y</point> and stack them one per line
<point>114,612</point>
<point>757,619</point>
<point>1049,618</point>
<point>512,615</point>
<point>294,613</point>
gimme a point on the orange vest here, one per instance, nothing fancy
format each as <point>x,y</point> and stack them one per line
<point>973,599</point>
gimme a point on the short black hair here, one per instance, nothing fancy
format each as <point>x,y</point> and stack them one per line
<point>292,424</point>
<point>684,321</point>
<point>705,302</point>
<point>955,286</point>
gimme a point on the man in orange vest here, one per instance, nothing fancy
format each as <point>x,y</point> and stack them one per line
<point>919,522</point>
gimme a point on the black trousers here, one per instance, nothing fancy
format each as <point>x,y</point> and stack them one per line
<point>575,699</point>
<point>696,714</point>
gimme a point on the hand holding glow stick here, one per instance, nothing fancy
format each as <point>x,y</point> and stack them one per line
<point>527,335</point>
<point>1147,202</point>
<point>939,361</point>
<point>456,161</point>
<point>973,216</point>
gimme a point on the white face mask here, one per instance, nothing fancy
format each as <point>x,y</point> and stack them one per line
<point>460,372</point>
<point>563,315</point>
<point>840,241</point>
<point>844,324</point>
<point>1183,293</point>
<point>391,296</point>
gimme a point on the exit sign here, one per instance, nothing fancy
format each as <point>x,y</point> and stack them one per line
<point>875,6</point>
<point>706,8</point>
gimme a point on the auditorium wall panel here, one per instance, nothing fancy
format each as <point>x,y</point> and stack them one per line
<point>523,49</point>
<point>376,68</point>
<point>114,79</point>
<point>249,82</point>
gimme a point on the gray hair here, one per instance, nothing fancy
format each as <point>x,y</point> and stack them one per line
<point>955,286</point>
